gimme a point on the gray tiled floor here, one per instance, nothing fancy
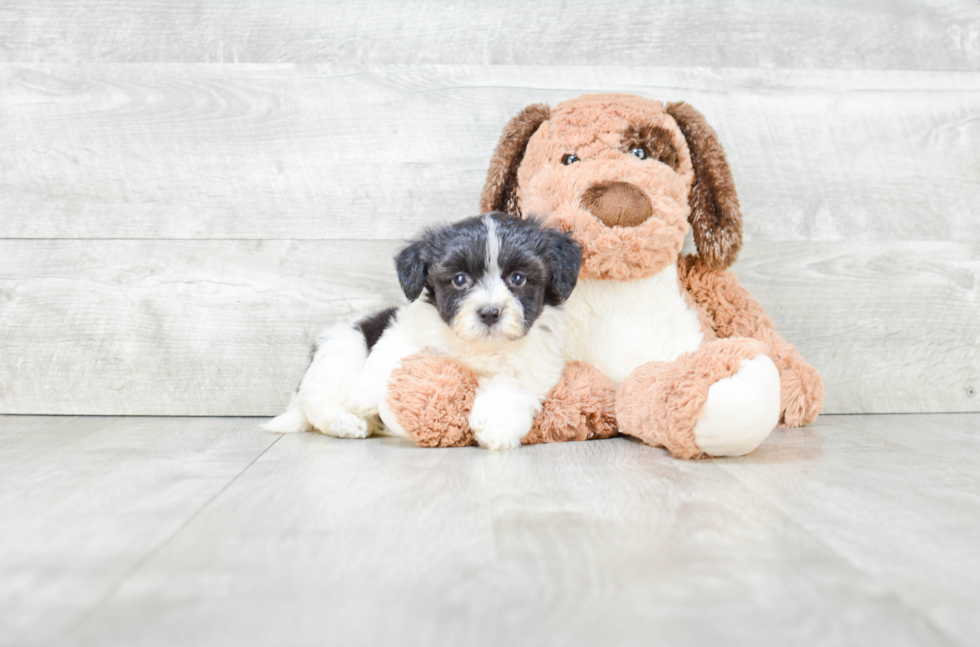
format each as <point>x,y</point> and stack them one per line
<point>207,531</point>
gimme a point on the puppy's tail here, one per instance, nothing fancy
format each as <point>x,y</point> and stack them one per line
<point>290,422</point>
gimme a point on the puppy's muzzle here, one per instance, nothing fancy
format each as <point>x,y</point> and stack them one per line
<point>617,204</point>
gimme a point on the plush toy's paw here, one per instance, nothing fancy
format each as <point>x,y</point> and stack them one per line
<point>582,406</point>
<point>802,394</point>
<point>431,398</point>
<point>661,403</point>
<point>502,416</point>
<point>741,410</point>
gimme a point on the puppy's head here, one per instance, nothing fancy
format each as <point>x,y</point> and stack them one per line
<point>490,277</point>
<point>624,174</point>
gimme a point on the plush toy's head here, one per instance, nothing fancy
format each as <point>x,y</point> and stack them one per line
<point>625,175</point>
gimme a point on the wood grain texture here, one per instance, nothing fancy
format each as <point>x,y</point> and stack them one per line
<point>84,502</point>
<point>173,328</point>
<point>918,474</point>
<point>223,327</point>
<point>337,152</point>
<point>175,227</point>
<point>870,34</point>
<point>842,533</point>
<point>892,327</point>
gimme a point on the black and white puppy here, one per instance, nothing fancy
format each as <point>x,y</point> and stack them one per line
<point>484,291</point>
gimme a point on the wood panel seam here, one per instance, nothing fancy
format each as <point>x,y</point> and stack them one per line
<point>146,559</point>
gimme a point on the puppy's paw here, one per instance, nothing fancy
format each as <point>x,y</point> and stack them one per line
<point>350,426</point>
<point>741,410</point>
<point>499,431</point>
<point>336,422</point>
<point>501,418</point>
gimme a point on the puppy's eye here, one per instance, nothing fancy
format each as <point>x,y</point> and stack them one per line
<point>517,279</point>
<point>571,158</point>
<point>640,152</point>
<point>460,280</point>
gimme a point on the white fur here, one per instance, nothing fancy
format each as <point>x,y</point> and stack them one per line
<point>344,392</point>
<point>619,325</point>
<point>323,399</point>
<point>741,410</point>
<point>493,244</point>
<point>490,290</point>
<point>502,413</point>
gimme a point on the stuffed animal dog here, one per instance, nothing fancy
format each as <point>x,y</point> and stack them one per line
<point>699,366</point>
<point>491,288</point>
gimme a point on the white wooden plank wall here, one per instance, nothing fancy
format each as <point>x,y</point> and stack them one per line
<point>188,190</point>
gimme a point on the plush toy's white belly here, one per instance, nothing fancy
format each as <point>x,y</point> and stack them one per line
<point>619,325</point>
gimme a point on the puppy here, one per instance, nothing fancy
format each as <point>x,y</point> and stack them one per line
<point>484,291</point>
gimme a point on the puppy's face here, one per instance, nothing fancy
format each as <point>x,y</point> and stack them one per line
<point>490,277</point>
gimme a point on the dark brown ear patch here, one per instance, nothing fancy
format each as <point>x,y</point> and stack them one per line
<point>655,140</point>
<point>500,189</point>
<point>716,220</point>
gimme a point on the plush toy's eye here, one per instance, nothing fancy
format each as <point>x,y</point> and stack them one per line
<point>460,280</point>
<point>517,279</point>
<point>571,158</point>
<point>640,152</point>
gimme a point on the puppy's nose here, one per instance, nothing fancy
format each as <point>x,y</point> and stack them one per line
<point>617,204</point>
<point>489,314</point>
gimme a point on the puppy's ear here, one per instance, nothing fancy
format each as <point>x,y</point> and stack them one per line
<point>565,261</point>
<point>715,216</point>
<point>411,269</point>
<point>500,190</point>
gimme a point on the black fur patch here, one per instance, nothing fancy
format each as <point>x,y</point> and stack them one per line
<point>550,260</point>
<point>374,326</point>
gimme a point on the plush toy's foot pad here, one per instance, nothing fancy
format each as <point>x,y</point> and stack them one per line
<point>661,402</point>
<point>741,409</point>
<point>432,398</point>
<point>582,406</point>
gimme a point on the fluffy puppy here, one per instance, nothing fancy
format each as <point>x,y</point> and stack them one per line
<point>483,291</point>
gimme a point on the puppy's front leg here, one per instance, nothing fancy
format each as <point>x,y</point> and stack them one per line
<point>502,414</point>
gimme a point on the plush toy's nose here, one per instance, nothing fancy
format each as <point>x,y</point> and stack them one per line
<point>617,204</point>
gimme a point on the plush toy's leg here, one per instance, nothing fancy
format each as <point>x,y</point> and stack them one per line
<point>732,312</point>
<point>720,400</point>
<point>432,398</point>
<point>582,406</point>
<point>802,388</point>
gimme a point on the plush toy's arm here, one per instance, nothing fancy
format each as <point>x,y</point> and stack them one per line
<point>732,312</point>
<point>433,397</point>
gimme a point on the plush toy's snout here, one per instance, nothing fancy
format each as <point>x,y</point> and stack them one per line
<point>525,175</point>
<point>617,204</point>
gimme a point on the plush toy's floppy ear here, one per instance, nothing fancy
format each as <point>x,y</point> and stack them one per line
<point>500,190</point>
<point>411,270</point>
<point>565,263</point>
<point>715,216</point>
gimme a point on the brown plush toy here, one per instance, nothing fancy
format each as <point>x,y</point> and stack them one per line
<point>670,349</point>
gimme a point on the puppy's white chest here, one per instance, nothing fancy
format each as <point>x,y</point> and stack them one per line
<point>619,325</point>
